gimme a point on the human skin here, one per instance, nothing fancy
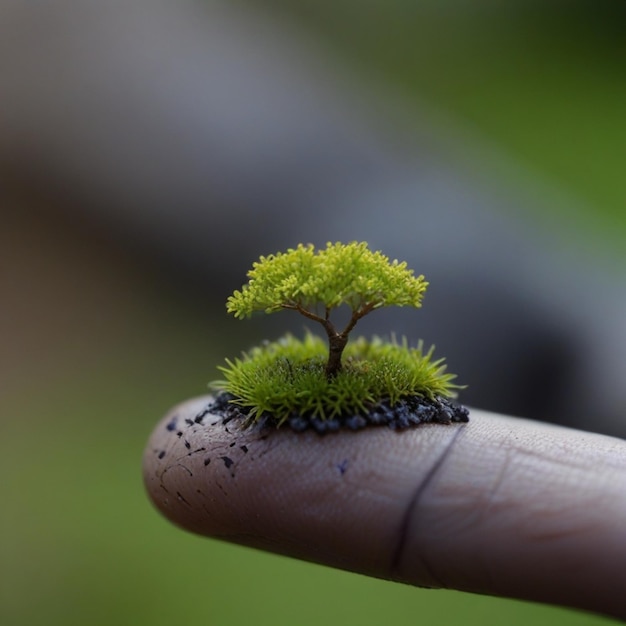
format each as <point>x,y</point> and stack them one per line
<point>501,505</point>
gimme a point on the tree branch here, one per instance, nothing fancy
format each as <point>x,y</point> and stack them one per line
<point>336,340</point>
<point>357,314</point>
<point>324,321</point>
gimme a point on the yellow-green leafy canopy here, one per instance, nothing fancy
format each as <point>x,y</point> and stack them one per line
<point>350,274</point>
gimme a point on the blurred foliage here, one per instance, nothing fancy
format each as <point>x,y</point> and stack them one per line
<point>542,81</point>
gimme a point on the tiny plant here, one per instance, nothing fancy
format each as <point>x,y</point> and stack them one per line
<point>316,282</point>
<point>341,383</point>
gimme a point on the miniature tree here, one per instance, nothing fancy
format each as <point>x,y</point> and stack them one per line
<point>314,282</point>
<point>303,382</point>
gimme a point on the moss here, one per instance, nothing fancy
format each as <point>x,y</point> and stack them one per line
<point>287,377</point>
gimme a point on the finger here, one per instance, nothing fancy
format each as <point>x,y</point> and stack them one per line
<point>499,506</point>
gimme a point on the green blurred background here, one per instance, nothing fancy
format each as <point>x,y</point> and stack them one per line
<point>97,344</point>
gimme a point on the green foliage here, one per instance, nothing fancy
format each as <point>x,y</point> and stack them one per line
<point>287,376</point>
<point>307,378</point>
<point>303,277</point>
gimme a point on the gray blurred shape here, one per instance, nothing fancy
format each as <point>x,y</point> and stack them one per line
<point>208,134</point>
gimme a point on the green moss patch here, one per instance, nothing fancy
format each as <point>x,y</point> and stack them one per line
<point>286,378</point>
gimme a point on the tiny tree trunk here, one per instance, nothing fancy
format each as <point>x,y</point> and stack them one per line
<point>336,340</point>
<point>336,343</point>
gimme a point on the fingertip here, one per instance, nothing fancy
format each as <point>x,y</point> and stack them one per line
<point>338,499</point>
<point>182,443</point>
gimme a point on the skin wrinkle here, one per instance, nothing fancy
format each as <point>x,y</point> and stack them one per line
<point>490,506</point>
<point>491,496</point>
<point>475,516</point>
<point>512,457</point>
<point>412,507</point>
<point>171,467</point>
<point>564,462</point>
<point>490,501</point>
<point>552,513</point>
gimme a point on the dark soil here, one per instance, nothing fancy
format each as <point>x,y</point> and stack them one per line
<point>407,413</point>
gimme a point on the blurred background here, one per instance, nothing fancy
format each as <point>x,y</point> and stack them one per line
<point>150,151</point>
